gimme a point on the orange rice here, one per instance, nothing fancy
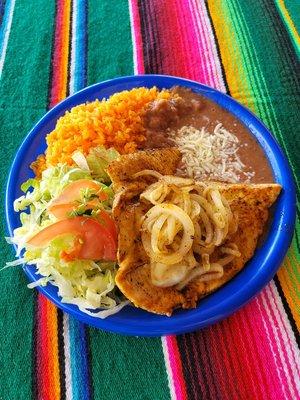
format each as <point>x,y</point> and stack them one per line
<point>116,122</point>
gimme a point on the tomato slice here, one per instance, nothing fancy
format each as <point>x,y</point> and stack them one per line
<point>62,211</point>
<point>106,220</point>
<point>65,203</point>
<point>72,190</point>
<point>93,240</point>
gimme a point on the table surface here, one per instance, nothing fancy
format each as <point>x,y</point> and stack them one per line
<point>249,49</point>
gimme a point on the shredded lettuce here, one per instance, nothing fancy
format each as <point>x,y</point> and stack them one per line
<point>88,284</point>
<point>100,314</point>
<point>79,279</point>
<point>28,184</point>
<point>52,183</point>
<point>98,160</point>
<point>40,282</point>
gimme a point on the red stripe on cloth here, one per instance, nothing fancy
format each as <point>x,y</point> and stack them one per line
<point>43,369</point>
<point>47,351</point>
<point>137,41</point>
<point>200,366</point>
<point>242,363</point>
<point>61,52</point>
<point>220,365</point>
<point>173,42</point>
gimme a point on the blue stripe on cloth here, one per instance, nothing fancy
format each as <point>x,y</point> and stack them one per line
<point>2,8</point>
<point>78,46</point>
<point>5,29</point>
<point>81,388</point>
<point>80,376</point>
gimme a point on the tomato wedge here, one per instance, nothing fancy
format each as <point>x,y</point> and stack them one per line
<point>62,211</point>
<point>72,190</point>
<point>94,241</point>
<point>106,220</point>
<point>65,203</point>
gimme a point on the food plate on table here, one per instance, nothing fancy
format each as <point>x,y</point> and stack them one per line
<point>189,177</point>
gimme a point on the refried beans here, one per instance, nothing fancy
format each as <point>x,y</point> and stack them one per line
<point>187,108</point>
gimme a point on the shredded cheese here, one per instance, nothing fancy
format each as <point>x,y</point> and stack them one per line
<point>212,156</point>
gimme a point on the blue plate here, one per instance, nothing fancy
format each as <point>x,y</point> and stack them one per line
<point>255,275</point>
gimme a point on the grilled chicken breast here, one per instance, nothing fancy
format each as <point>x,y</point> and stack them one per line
<point>164,161</point>
<point>249,202</point>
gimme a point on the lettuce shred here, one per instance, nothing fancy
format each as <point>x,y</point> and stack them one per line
<point>98,160</point>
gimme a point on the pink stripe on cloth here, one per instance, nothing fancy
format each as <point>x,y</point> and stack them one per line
<point>247,367</point>
<point>137,42</point>
<point>276,347</point>
<point>200,18</point>
<point>251,355</point>
<point>188,46</point>
<point>254,369</point>
<point>286,329</point>
<point>179,43</point>
<point>289,366</point>
<point>174,368</point>
<point>189,52</point>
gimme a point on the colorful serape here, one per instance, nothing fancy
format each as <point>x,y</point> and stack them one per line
<point>249,49</point>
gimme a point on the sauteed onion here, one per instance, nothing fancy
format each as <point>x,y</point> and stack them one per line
<point>184,226</point>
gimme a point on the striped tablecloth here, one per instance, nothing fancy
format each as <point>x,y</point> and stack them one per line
<point>247,48</point>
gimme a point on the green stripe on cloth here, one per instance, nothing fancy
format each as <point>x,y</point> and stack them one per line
<point>273,99</point>
<point>122,368</point>
<point>289,11</point>
<point>274,83</point>
<point>109,40</point>
<point>293,8</point>
<point>23,100</point>
<point>127,367</point>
